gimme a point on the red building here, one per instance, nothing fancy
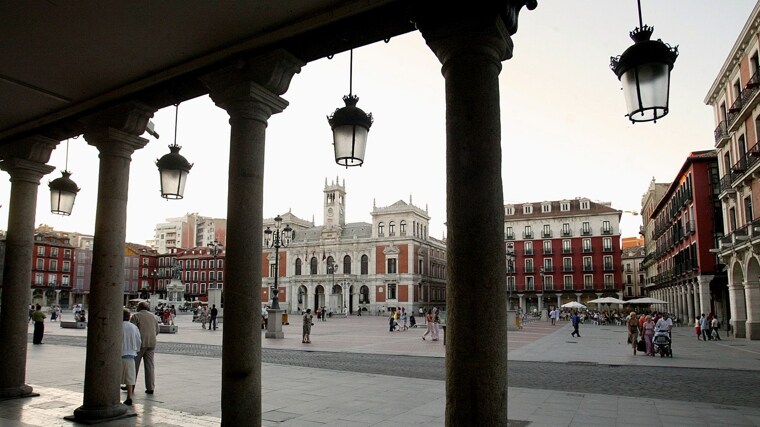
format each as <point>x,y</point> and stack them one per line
<point>52,270</point>
<point>201,270</point>
<point>562,251</point>
<point>688,225</point>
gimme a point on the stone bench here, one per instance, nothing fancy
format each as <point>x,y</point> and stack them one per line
<point>168,329</point>
<point>73,325</point>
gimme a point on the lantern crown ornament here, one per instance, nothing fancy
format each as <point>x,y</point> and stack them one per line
<point>350,126</point>
<point>173,169</point>
<point>63,190</point>
<point>644,70</point>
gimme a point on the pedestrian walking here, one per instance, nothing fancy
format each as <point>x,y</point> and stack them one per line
<point>130,346</point>
<point>308,322</point>
<point>428,323</point>
<point>648,331</point>
<point>436,324</point>
<point>38,317</point>
<point>633,330</point>
<point>697,328</point>
<point>714,327</point>
<point>575,320</point>
<point>204,316</point>
<point>212,318</point>
<point>264,317</point>
<point>704,325</point>
<point>392,324</point>
<point>148,326</point>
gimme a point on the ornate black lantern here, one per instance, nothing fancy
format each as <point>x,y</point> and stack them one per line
<point>173,169</point>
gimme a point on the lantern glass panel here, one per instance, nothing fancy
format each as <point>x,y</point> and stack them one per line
<point>646,88</point>
<point>350,144</point>
<point>62,202</point>
<point>173,183</point>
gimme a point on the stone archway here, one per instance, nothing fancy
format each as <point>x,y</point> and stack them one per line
<point>736,297</point>
<point>319,297</point>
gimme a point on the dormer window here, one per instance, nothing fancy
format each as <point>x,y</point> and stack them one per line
<point>510,210</point>
<point>527,209</point>
<point>585,205</point>
<point>564,206</point>
<point>546,208</point>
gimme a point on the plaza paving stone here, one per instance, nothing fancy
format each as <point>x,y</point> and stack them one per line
<point>188,377</point>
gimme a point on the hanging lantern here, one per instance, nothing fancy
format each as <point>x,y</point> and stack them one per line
<point>63,192</point>
<point>173,168</point>
<point>644,70</point>
<point>350,126</point>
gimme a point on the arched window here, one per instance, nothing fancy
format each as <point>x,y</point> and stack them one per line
<point>391,228</point>
<point>331,266</point>
<point>313,265</point>
<point>365,265</point>
<point>381,229</point>
<point>364,295</point>
<point>298,266</point>
<point>402,228</point>
<point>346,264</point>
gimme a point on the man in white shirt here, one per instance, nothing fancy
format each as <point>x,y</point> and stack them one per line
<point>664,324</point>
<point>129,347</point>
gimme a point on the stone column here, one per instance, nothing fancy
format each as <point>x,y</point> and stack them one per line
<point>690,302</point>
<point>752,299</point>
<point>522,301</point>
<point>470,43</point>
<point>249,92</point>
<point>578,297</point>
<point>704,294</point>
<point>738,308</point>
<point>559,301</point>
<point>115,133</point>
<point>24,161</point>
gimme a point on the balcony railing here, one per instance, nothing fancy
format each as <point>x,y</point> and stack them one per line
<point>567,233</point>
<point>546,234</point>
<point>527,235</point>
<point>567,268</point>
<point>529,270</point>
<point>567,250</point>
<point>721,132</point>
<point>587,250</point>
<point>608,267</point>
<point>585,232</point>
<point>607,249</point>
<point>725,182</point>
<point>568,286</point>
<point>510,236</point>
<point>547,251</point>
<point>528,251</point>
<point>606,231</point>
<point>547,269</point>
<point>588,267</point>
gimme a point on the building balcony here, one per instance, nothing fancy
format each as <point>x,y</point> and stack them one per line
<point>510,236</point>
<point>606,231</point>
<point>588,250</point>
<point>725,183</point>
<point>567,250</point>
<point>529,270</point>
<point>588,267</point>
<point>585,232</point>
<point>567,233</point>
<point>529,252</point>
<point>547,269</point>
<point>721,134</point>
<point>568,286</point>
<point>609,286</point>
<point>743,104</point>
<point>609,267</point>
<point>607,249</point>
<point>547,251</point>
<point>567,268</point>
<point>527,235</point>
<point>546,234</point>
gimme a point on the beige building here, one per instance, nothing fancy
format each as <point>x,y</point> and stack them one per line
<point>634,273</point>
<point>649,201</point>
<point>735,99</point>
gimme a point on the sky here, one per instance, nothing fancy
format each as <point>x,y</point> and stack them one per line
<point>564,130</point>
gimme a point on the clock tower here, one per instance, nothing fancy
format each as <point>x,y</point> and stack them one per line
<point>335,204</point>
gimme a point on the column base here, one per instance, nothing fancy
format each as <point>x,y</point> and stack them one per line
<point>274,324</point>
<point>739,328</point>
<point>753,330</point>
<point>21,392</point>
<point>100,415</point>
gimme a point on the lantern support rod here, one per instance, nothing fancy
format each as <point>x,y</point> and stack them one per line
<point>176,117</point>
<point>641,22</point>
<point>66,163</point>
<point>351,73</point>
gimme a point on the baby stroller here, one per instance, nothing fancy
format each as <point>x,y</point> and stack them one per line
<point>662,343</point>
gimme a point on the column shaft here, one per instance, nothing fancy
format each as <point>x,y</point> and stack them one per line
<point>17,276</point>
<point>471,52</point>
<point>704,294</point>
<point>738,309</point>
<point>690,302</point>
<point>114,133</point>
<point>752,299</point>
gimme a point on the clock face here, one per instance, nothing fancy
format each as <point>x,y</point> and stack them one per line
<point>329,211</point>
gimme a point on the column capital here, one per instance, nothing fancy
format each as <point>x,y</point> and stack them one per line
<point>705,279</point>
<point>114,142</point>
<point>22,170</point>
<point>35,148</point>
<point>252,88</point>
<point>130,117</point>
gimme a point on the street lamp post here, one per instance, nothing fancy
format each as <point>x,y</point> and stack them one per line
<point>511,272</point>
<point>331,267</point>
<point>277,238</point>
<point>215,247</point>
<point>541,295</point>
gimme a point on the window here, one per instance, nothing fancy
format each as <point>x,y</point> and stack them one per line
<point>313,265</point>
<point>528,248</point>
<point>528,232</point>
<point>585,205</point>
<point>587,265</point>
<point>586,245</point>
<point>546,208</point>
<point>567,265</point>
<point>608,262</point>
<point>40,251</point>
<point>588,281</point>
<point>40,264</point>
<point>564,206</point>
<point>567,282</point>
<point>219,263</point>
<point>509,233</point>
<point>529,265</point>
<point>527,209</point>
<point>511,283</point>
<point>607,244</point>
<point>391,290</point>
<point>529,284</point>
<point>609,281</point>
<point>548,282</point>
<point>748,208</point>
<point>547,247</point>
<point>346,264</point>
<point>547,232</point>
<point>380,229</point>
<point>566,247</point>
<point>66,266</point>
<point>402,228</point>
<point>510,210</point>
<point>67,253</point>
<point>272,271</point>
<point>391,228</point>
<point>566,230</point>
<point>39,278</point>
<point>586,228</point>
<point>732,219</point>
<point>365,265</point>
<point>51,279</point>
<point>203,264</point>
<point>606,228</point>
<point>53,265</point>
<point>53,252</point>
<point>548,266</point>
<point>628,279</point>
<point>392,266</point>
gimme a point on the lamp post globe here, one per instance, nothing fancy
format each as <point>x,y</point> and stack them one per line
<point>277,238</point>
